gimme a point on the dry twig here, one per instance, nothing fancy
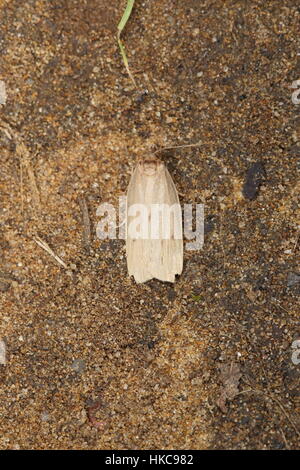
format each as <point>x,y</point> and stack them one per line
<point>47,248</point>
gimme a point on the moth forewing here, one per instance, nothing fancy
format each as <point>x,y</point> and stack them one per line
<point>154,245</point>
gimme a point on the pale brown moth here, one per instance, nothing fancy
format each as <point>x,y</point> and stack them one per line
<point>154,246</point>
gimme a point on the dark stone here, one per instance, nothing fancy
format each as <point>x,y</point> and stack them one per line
<point>254,178</point>
<point>209,224</point>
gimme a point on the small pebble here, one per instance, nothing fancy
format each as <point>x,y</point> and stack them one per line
<point>293,279</point>
<point>78,365</point>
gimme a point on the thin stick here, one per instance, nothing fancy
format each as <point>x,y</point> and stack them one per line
<point>296,243</point>
<point>86,223</point>
<point>21,186</point>
<point>23,153</point>
<point>47,248</point>
<point>276,302</point>
<point>285,440</point>
<point>271,397</point>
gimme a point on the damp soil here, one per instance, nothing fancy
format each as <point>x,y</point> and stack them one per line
<point>93,360</point>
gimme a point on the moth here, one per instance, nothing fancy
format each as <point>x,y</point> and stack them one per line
<point>154,244</point>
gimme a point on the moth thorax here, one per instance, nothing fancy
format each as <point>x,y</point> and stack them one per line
<point>150,166</point>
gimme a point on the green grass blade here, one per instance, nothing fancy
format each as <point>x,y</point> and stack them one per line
<point>126,15</point>
<point>121,26</point>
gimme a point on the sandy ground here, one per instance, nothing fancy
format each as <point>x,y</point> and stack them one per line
<point>94,361</point>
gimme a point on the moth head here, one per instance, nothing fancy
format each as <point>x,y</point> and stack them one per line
<point>150,166</point>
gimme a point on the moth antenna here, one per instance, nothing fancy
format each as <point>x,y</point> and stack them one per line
<point>178,147</point>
